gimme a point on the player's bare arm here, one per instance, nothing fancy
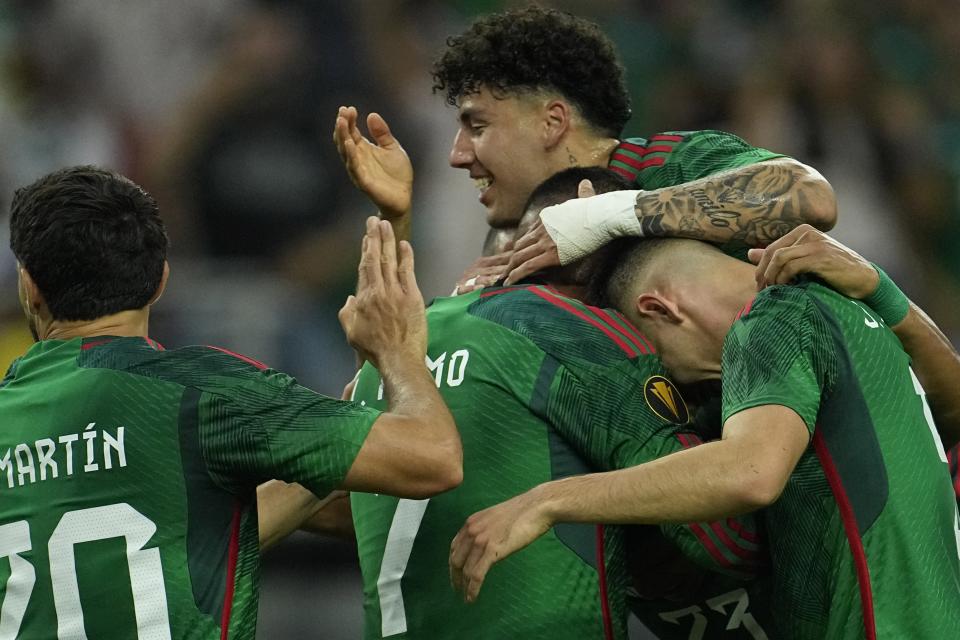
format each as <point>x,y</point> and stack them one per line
<point>752,205</point>
<point>334,519</point>
<point>934,359</point>
<point>380,168</point>
<point>283,508</point>
<point>745,471</point>
<point>414,449</point>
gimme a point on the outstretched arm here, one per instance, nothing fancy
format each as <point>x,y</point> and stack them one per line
<point>745,471</point>
<point>751,205</point>
<point>935,361</point>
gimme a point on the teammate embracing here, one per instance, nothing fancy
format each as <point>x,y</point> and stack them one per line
<point>826,428</point>
<point>541,386</point>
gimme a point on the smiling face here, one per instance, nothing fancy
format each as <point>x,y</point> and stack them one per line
<point>507,146</point>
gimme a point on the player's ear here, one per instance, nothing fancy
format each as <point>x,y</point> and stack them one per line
<point>31,295</point>
<point>556,122</point>
<point>655,308</point>
<point>163,284</point>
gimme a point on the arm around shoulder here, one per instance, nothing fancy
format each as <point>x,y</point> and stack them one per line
<point>818,203</point>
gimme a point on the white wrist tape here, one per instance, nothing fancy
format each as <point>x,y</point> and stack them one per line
<point>582,225</point>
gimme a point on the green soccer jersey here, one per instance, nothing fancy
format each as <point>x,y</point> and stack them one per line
<point>675,157</point>
<point>541,387</point>
<point>863,540</point>
<point>129,478</point>
<point>672,158</point>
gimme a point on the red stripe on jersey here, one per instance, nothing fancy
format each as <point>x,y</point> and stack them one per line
<point>232,553</point>
<point>709,546</point>
<point>642,151</point>
<point>627,160</point>
<point>251,361</point>
<point>853,533</point>
<point>629,175</point>
<point>91,345</point>
<point>496,292</point>
<point>743,532</point>
<point>604,598</point>
<point>746,308</point>
<point>666,137</point>
<point>635,336</point>
<point>746,554</point>
<point>153,343</point>
<point>631,334</point>
<point>549,297</point>
<point>689,440</point>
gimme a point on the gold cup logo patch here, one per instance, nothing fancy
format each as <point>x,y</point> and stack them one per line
<point>664,399</point>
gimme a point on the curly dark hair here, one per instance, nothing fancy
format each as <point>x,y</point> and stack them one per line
<point>92,241</point>
<point>537,48</point>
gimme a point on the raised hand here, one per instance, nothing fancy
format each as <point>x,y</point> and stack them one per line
<point>381,168</point>
<point>386,318</point>
<point>536,250</point>
<point>807,250</point>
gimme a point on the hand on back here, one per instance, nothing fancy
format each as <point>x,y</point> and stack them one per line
<point>536,250</point>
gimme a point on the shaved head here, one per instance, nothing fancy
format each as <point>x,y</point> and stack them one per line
<point>682,294</point>
<point>636,265</point>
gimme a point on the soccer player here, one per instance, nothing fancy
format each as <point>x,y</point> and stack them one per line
<point>129,472</point>
<point>537,91</point>
<point>825,426</point>
<point>936,363</point>
<point>541,386</point>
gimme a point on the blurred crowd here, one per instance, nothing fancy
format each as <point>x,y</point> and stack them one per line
<point>224,110</point>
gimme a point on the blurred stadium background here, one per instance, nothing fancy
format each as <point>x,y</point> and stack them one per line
<point>224,110</point>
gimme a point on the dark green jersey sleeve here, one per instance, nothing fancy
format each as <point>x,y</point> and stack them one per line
<point>669,159</point>
<point>777,352</point>
<point>264,425</point>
